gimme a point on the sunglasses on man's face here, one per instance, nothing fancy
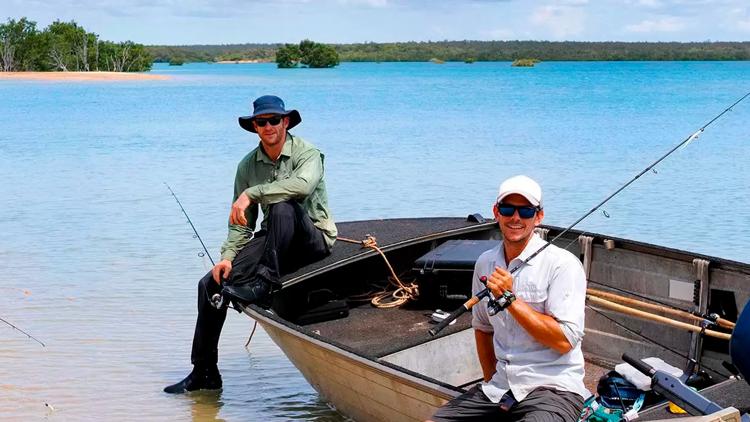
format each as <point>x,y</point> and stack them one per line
<point>524,211</point>
<point>272,120</point>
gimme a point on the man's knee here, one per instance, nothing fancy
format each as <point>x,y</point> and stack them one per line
<point>204,284</point>
<point>548,405</point>
<point>544,416</point>
<point>282,211</point>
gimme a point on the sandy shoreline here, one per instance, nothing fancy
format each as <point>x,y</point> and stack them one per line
<point>80,76</point>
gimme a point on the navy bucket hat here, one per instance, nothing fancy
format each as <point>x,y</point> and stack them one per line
<point>269,104</point>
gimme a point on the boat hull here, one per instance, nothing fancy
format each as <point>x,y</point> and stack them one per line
<point>360,388</point>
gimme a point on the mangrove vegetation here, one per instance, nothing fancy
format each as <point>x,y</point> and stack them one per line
<point>470,51</point>
<point>524,62</point>
<point>65,46</point>
<point>308,54</point>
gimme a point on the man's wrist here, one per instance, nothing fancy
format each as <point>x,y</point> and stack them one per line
<point>509,298</point>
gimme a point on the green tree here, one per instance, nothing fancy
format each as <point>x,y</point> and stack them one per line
<point>320,56</point>
<point>288,56</point>
<point>69,47</point>
<point>66,46</point>
<point>124,57</point>
<point>17,40</point>
<point>308,53</point>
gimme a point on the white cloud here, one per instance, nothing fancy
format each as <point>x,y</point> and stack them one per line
<point>561,21</point>
<point>666,24</point>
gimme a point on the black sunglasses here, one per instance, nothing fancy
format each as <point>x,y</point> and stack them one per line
<point>272,120</point>
<point>524,211</point>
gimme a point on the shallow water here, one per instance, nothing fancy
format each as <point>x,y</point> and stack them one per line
<point>100,264</point>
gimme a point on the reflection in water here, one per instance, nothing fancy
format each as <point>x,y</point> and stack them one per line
<point>259,384</point>
<point>205,405</point>
<point>294,408</point>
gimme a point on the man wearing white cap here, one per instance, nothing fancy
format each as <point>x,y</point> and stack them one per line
<point>530,353</point>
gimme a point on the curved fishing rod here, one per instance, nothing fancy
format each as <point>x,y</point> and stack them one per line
<point>216,300</point>
<point>191,225</point>
<point>22,331</point>
<point>502,305</point>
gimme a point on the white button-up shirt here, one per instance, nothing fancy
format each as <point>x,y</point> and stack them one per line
<point>552,283</point>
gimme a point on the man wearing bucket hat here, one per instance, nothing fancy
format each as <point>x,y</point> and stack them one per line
<point>530,353</point>
<point>283,177</point>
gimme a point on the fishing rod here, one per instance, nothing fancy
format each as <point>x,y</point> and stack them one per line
<point>197,236</point>
<point>22,331</point>
<point>713,318</point>
<point>216,300</point>
<point>495,306</point>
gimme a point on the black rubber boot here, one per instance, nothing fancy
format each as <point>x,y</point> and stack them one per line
<point>199,379</point>
<point>257,292</point>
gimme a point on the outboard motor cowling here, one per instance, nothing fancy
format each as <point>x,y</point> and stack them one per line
<point>739,345</point>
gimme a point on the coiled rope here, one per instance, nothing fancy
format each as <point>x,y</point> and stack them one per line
<point>387,298</point>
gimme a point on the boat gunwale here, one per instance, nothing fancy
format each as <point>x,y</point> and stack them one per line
<point>661,251</point>
<point>621,243</point>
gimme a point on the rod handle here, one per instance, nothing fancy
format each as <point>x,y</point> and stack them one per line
<point>458,312</point>
<point>638,364</point>
<point>444,323</point>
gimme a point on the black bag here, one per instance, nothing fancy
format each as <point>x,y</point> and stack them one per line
<point>444,273</point>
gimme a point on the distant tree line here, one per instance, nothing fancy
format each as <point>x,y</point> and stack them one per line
<point>469,51</point>
<point>544,50</point>
<point>213,53</point>
<point>66,46</point>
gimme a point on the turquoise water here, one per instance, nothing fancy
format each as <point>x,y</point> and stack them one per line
<point>99,263</point>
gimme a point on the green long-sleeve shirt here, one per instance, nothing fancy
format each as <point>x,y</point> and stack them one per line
<point>296,174</point>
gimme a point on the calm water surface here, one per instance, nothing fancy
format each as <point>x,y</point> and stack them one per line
<point>99,263</point>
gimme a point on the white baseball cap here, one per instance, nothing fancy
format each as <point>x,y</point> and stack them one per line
<point>524,186</point>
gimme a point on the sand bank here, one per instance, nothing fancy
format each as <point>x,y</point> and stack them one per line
<point>80,76</point>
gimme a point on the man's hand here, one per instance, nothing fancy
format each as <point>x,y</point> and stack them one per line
<point>500,281</point>
<point>237,215</point>
<point>221,270</point>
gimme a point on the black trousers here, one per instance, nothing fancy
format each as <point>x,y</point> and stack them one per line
<point>291,240</point>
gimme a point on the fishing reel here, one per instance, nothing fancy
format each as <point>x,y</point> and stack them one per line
<point>217,300</point>
<point>500,304</point>
<point>496,305</point>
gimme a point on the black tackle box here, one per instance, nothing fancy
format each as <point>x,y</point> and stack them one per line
<point>444,273</point>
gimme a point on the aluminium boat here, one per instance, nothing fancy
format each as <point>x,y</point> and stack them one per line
<point>381,363</point>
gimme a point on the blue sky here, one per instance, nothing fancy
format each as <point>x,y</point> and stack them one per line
<point>344,21</point>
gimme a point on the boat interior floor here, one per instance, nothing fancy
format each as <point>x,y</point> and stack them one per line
<point>363,331</point>
<point>366,326</point>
